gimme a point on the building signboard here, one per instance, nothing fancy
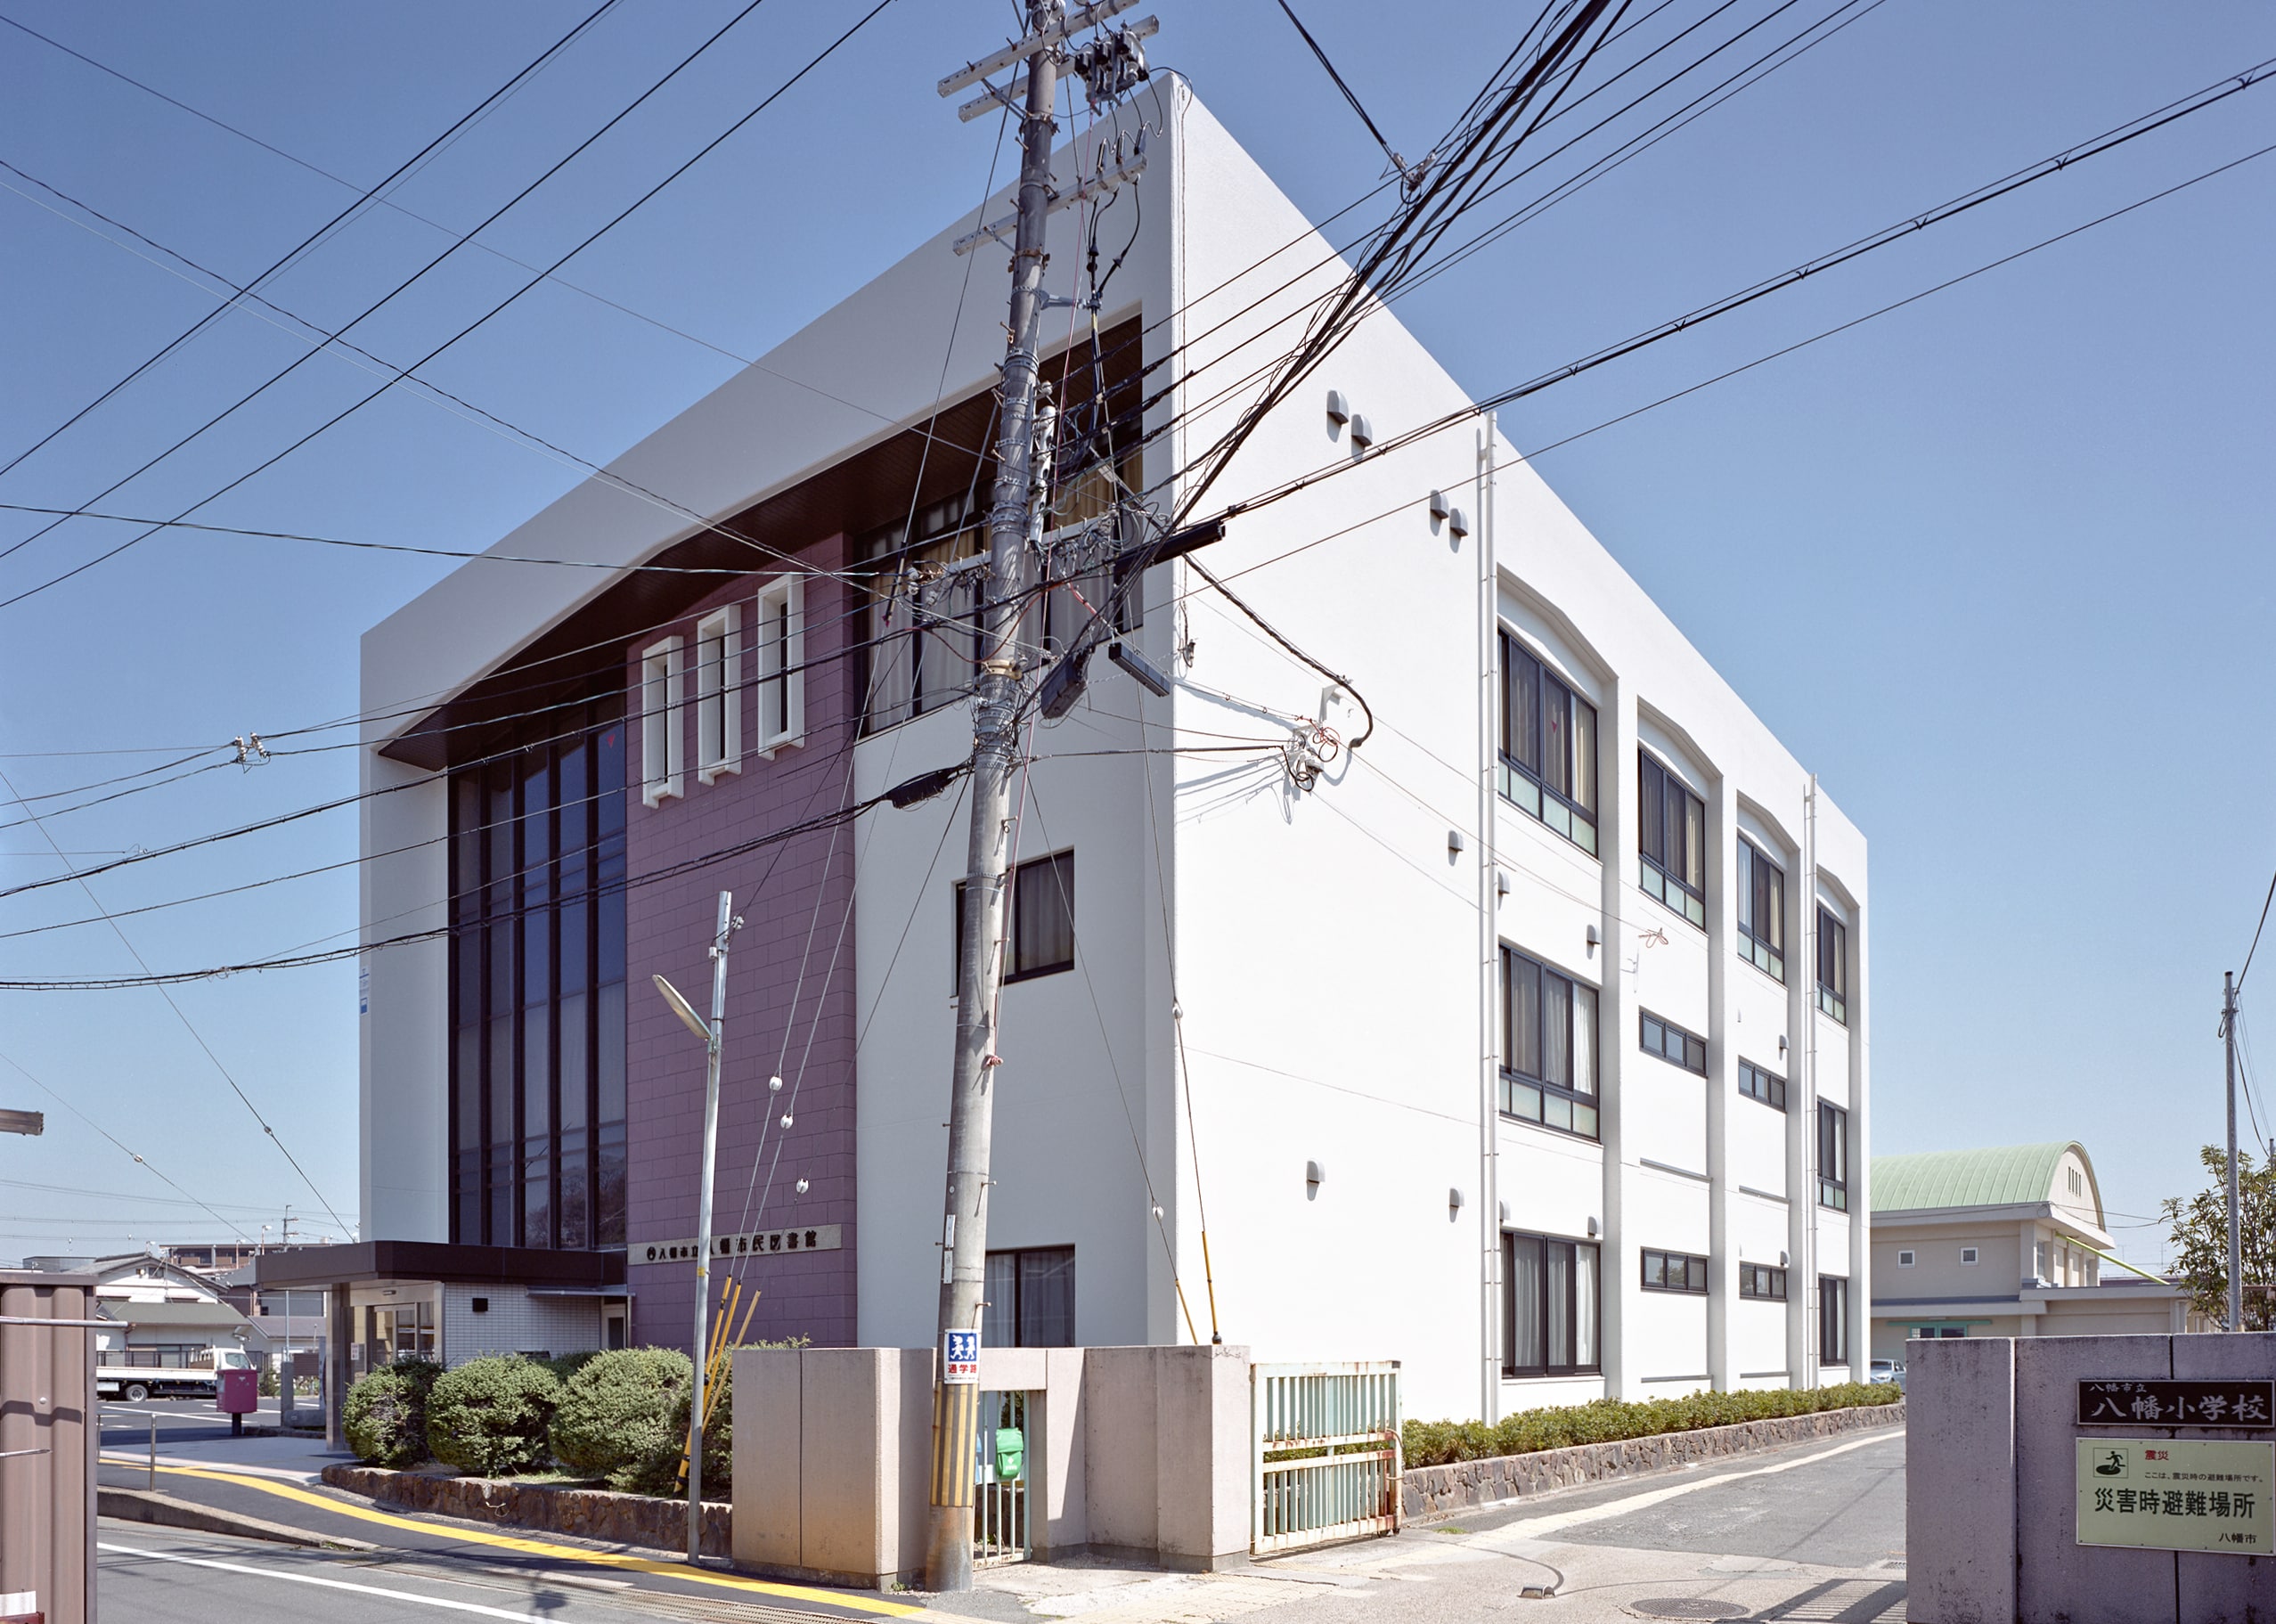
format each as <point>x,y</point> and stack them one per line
<point>755,1242</point>
<point>2235,1403</point>
<point>2178,1494</point>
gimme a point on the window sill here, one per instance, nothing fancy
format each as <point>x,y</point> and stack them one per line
<point>1553,1375</point>
<point>718,770</point>
<point>1777,975</point>
<point>1573,1134</point>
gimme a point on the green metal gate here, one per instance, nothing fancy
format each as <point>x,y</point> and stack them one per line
<point>1327,1453</point>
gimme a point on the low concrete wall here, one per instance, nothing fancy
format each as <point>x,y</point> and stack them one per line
<point>1136,1453</point>
<point>588,1514</point>
<point>1439,1491</point>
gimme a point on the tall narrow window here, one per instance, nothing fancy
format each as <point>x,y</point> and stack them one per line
<point>1832,1157</point>
<point>1832,1319</point>
<point>536,1118</point>
<point>1832,966</point>
<point>1550,1306</point>
<point>1548,1046</point>
<point>782,659</point>
<point>1672,836</point>
<point>1548,747</point>
<point>661,749</point>
<point>719,693</point>
<point>1762,910</point>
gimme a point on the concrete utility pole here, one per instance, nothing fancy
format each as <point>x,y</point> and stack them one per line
<point>2236,1226</point>
<point>964,1229</point>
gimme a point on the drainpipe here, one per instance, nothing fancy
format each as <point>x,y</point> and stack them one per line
<point>1811,1363</point>
<point>1489,1222</point>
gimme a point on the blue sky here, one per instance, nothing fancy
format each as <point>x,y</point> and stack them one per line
<point>1996,565</point>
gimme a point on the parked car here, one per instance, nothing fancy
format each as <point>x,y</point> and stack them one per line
<point>1887,1373</point>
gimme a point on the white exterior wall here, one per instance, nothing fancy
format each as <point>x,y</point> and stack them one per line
<point>514,1322</point>
<point>1326,946</point>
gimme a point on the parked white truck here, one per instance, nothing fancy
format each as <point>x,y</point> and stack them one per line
<point>136,1383</point>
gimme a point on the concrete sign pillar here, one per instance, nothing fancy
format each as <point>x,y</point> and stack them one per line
<point>1991,1475</point>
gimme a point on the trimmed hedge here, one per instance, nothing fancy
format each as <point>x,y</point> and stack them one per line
<point>655,1469</point>
<point>621,1408</point>
<point>1438,1443</point>
<point>489,1415</point>
<point>385,1414</point>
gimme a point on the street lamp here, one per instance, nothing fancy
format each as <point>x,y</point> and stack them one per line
<point>711,1033</point>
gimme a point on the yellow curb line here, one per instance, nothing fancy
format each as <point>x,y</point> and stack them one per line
<point>538,1547</point>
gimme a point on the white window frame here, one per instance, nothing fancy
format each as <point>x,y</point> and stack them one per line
<point>719,692</point>
<point>1970,1257</point>
<point>781,662</point>
<point>1904,1259</point>
<point>663,728</point>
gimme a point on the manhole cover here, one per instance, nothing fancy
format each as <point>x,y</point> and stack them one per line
<point>1685,1607</point>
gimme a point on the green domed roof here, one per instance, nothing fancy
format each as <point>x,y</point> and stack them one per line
<point>2007,1176</point>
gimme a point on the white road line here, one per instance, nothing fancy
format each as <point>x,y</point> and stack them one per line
<point>1534,1528</point>
<point>327,1583</point>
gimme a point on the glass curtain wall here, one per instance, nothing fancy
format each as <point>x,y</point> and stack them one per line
<point>537,989</point>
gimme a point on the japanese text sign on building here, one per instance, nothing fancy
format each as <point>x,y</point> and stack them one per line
<point>2177,1494</point>
<point>2228,1403</point>
<point>959,1358</point>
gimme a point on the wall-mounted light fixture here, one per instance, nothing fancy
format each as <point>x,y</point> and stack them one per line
<point>1339,409</point>
<point>1315,1175</point>
<point>1453,1205</point>
<point>1591,1229</point>
<point>1363,432</point>
<point>1453,843</point>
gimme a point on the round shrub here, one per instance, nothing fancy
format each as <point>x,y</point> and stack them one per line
<point>656,1468</point>
<point>385,1414</point>
<point>489,1417</point>
<point>618,1407</point>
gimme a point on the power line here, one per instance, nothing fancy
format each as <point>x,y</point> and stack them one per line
<point>187,1025</point>
<point>398,374</point>
<point>2256,929</point>
<point>1396,162</point>
<point>134,1155</point>
<point>316,236</point>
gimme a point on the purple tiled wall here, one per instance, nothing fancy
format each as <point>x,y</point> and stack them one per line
<point>789,992</point>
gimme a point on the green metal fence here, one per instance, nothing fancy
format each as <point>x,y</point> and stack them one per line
<point>1326,1454</point>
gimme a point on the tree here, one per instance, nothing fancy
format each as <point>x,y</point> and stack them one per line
<point>2201,1232</point>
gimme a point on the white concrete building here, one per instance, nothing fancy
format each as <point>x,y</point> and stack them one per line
<point>1525,1042</point>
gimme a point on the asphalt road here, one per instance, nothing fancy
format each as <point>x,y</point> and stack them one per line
<point>159,1577</point>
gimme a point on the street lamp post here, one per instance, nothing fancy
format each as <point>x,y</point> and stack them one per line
<point>711,1032</point>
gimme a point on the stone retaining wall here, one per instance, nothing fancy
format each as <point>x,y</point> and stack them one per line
<point>1439,1491</point>
<point>588,1514</point>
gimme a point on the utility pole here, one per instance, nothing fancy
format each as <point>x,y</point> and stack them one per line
<point>713,1033</point>
<point>964,1229</point>
<point>2236,1226</point>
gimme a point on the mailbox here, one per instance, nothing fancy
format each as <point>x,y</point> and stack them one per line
<point>240,1393</point>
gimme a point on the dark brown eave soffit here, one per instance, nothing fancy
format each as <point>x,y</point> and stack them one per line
<point>584,655</point>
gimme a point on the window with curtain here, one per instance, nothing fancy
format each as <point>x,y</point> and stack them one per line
<point>1832,966</point>
<point>1040,919</point>
<point>1551,1306</point>
<point>1548,747</point>
<point>1761,885</point>
<point>1031,1299</point>
<point>1672,836</point>
<point>1832,1157</point>
<point>1548,1046</point>
<point>1832,1319</point>
<point>537,1106</point>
